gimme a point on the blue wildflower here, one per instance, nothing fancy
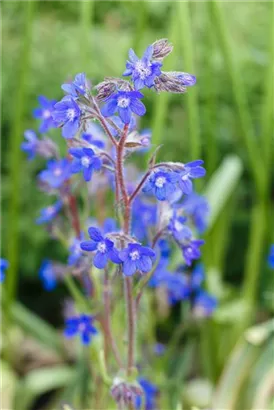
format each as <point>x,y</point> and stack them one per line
<point>103,246</point>
<point>82,325</point>
<point>150,393</point>
<point>93,141</point>
<point>44,113</point>
<point>144,216</point>
<point>196,206</point>
<point>191,251</point>
<point>76,87</point>
<point>197,277</point>
<point>76,252</point>
<point>47,275</point>
<point>57,173</point>
<point>204,304</point>
<point>4,264</point>
<point>161,184</point>
<point>126,103</point>
<point>271,257</point>
<point>165,249</point>
<point>136,258</point>
<point>191,170</point>
<point>85,160</point>
<point>143,71</point>
<point>49,213</point>
<point>30,146</point>
<point>159,349</point>
<point>67,114</point>
<point>179,229</point>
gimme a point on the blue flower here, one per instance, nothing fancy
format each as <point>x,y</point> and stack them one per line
<point>144,216</point>
<point>104,248</point>
<point>76,252</point>
<point>82,325</point>
<point>191,251</point>
<point>179,229</point>
<point>57,173</point>
<point>93,141</point>
<point>76,87</point>
<point>204,304</point>
<point>47,275</point>
<point>271,257</point>
<point>143,71</point>
<point>185,78</point>
<point>67,114</point>
<point>4,264</point>
<point>196,206</point>
<point>197,277</point>
<point>159,349</point>
<point>191,170</point>
<point>49,213</point>
<point>44,113</point>
<point>30,146</point>
<point>85,160</point>
<point>136,258</point>
<point>126,103</point>
<point>150,394</point>
<point>162,184</point>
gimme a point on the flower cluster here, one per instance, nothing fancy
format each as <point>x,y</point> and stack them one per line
<point>157,211</point>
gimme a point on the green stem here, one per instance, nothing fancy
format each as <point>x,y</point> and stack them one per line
<point>15,152</point>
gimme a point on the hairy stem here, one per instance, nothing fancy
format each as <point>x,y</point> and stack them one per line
<point>130,302</point>
<point>109,335</point>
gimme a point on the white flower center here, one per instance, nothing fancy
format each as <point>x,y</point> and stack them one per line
<point>46,114</point>
<point>82,327</point>
<point>160,182</point>
<point>142,70</point>
<point>123,102</point>
<point>71,113</point>
<point>50,210</point>
<point>85,161</point>
<point>57,172</point>
<point>134,255</point>
<point>101,247</point>
<point>185,177</point>
<point>178,226</point>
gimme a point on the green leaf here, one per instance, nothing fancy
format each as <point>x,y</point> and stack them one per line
<point>221,186</point>
<point>37,328</point>
<point>41,381</point>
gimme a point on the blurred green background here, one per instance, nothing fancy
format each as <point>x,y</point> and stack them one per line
<point>226,119</point>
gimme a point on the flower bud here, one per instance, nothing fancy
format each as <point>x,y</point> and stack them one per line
<point>161,49</point>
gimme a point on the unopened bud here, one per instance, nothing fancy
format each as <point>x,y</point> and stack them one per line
<point>161,49</point>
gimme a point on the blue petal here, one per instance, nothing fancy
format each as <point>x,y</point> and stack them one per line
<point>137,107</point>
<point>88,246</point>
<point>109,108</point>
<point>197,172</point>
<point>76,152</point>
<point>186,186</point>
<point>132,56</point>
<point>76,166</point>
<point>125,114</point>
<point>95,234</point>
<point>129,267</point>
<point>87,172</point>
<point>114,256</point>
<point>70,128</point>
<point>144,264</point>
<point>100,260</point>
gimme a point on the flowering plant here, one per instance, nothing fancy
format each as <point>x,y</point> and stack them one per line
<point>155,217</point>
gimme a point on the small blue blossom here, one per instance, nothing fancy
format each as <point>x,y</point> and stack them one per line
<point>126,103</point>
<point>30,146</point>
<point>159,349</point>
<point>179,229</point>
<point>47,275</point>
<point>143,71</point>
<point>103,246</point>
<point>76,87</point>
<point>144,216</point>
<point>67,114</point>
<point>85,160</point>
<point>196,206</point>
<point>191,170</point>
<point>75,250</point>
<point>136,258</point>
<point>191,251</point>
<point>93,141</point>
<point>271,257</point>
<point>82,325</point>
<point>56,174</point>
<point>49,213</point>
<point>4,264</point>
<point>44,113</point>
<point>161,184</point>
<point>150,394</point>
<point>165,249</point>
<point>204,304</point>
